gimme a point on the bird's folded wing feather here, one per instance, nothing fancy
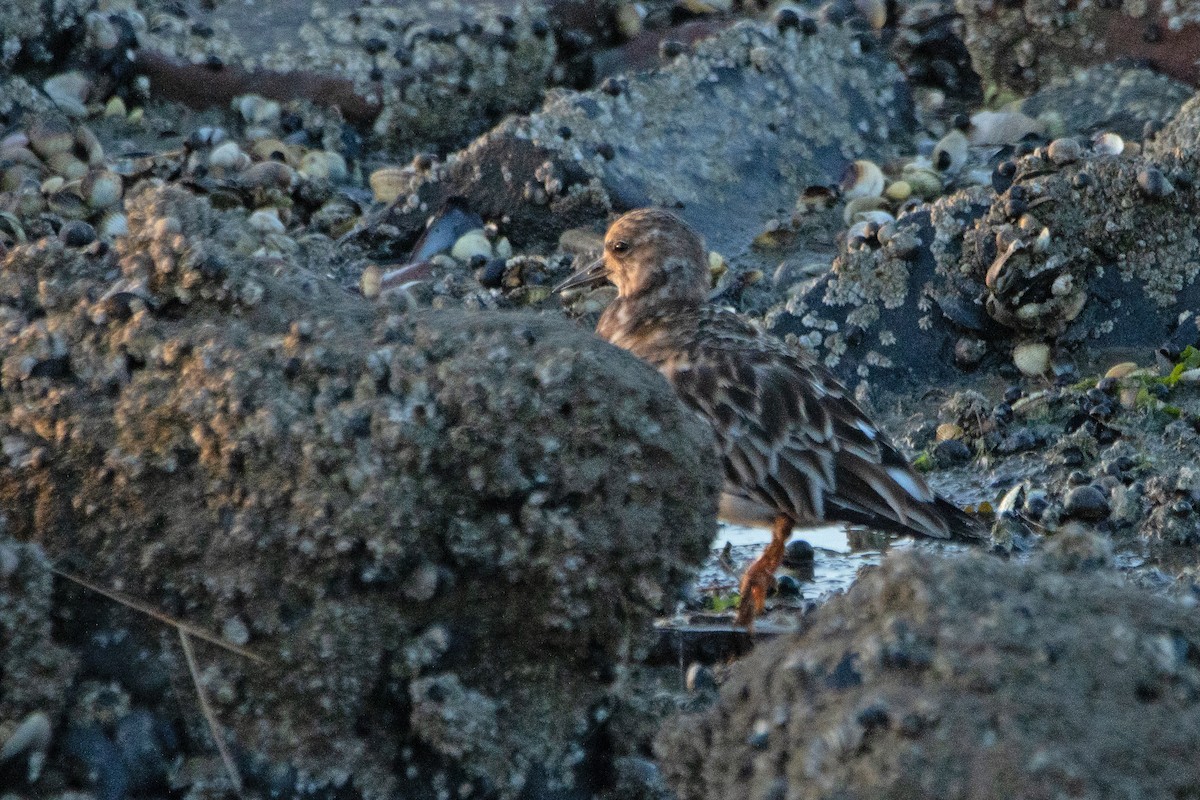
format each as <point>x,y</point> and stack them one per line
<point>791,439</point>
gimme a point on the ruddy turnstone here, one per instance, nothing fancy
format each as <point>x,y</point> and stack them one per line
<point>796,449</point>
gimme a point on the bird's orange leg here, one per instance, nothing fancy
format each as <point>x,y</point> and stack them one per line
<point>760,576</point>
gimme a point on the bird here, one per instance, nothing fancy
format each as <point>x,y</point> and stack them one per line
<point>795,449</point>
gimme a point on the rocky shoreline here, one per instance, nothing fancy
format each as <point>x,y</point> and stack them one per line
<point>310,487</point>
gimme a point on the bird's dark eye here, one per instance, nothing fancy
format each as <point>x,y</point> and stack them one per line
<point>620,247</point>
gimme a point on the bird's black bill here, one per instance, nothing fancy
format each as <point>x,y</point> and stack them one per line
<point>593,273</point>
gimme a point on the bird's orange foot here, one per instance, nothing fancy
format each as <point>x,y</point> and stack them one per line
<point>757,583</point>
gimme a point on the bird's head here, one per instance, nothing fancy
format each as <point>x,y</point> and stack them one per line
<point>650,253</point>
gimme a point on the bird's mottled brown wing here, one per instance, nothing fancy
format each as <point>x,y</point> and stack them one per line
<point>792,440</point>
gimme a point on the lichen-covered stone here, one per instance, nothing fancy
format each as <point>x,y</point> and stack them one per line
<point>404,516</point>
<point>963,677</point>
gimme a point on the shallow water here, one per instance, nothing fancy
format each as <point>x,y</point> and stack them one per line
<point>838,553</point>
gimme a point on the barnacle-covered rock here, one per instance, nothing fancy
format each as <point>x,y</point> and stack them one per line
<point>439,71</point>
<point>443,533</point>
<point>1093,248</point>
<point>1021,47</point>
<point>961,677</point>
<point>1109,97</point>
<point>30,32</point>
<point>648,139</point>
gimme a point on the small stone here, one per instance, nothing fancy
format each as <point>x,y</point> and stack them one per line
<point>491,275</point>
<point>969,351</point>
<point>787,586</point>
<point>670,48</point>
<point>1153,183</point>
<point>952,451</point>
<point>786,19</point>
<point>798,553</point>
<point>1086,503</point>
<point>234,630</point>
<point>1064,151</point>
<point>470,244</point>
<point>77,233</point>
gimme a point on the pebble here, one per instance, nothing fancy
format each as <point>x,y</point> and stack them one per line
<point>798,553</point>
<point>77,233</point>
<point>117,655</point>
<point>491,274</point>
<point>952,451</point>
<point>1153,183</point>
<point>787,586</point>
<point>1086,503</point>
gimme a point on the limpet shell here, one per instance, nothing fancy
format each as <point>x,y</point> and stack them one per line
<point>950,154</point>
<point>1064,150</point>
<point>275,150</point>
<point>387,183</point>
<point>323,165</point>
<point>860,205</point>
<point>924,182</point>
<point>102,188</point>
<point>268,175</point>
<point>1108,144</point>
<point>862,179</point>
<point>51,134</point>
<point>67,165</point>
<point>470,244</point>
<point>1032,358</point>
<point>898,191</point>
<point>1121,370</point>
<point>947,431</point>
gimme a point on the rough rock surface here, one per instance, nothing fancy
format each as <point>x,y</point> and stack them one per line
<point>443,534</point>
<point>433,72</point>
<point>650,139</point>
<point>1110,97</point>
<point>30,32</point>
<point>1177,140</point>
<point>1024,46</point>
<point>960,678</point>
<point>35,671</point>
<point>1115,268</point>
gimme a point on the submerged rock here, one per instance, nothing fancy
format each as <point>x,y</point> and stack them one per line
<point>408,519</point>
<point>729,135</point>
<point>958,678</point>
